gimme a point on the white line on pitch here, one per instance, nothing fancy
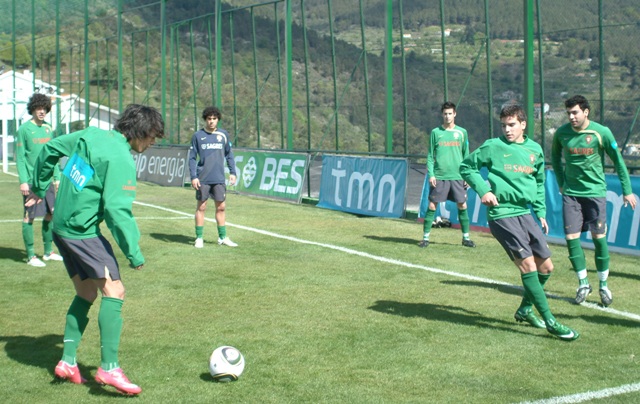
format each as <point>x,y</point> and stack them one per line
<point>589,395</point>
<point>576,398</point>
<point>393,261</point>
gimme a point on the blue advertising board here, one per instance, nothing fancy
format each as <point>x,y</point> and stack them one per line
<point>623,223</point>
<point>365,186</point>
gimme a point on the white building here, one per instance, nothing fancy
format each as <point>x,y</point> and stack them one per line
<point>13,108</point>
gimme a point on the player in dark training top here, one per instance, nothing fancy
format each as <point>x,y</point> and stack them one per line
<point>210,149</point>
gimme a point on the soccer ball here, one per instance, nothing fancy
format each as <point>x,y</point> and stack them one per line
<point>226,364</point>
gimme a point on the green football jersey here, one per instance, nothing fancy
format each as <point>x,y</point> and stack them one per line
<point>98,184</point>
<point>583,153</point>
<point>30,141</point>
<point>447,148</point>
<point>515,174</point>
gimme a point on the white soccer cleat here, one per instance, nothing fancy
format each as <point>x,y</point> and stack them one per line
<point>199,243</point>
<point>52,256</point>
<point>226,241</point>
<point>35,262</point>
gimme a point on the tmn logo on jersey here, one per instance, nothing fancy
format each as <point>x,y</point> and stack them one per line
<point>78,171</point>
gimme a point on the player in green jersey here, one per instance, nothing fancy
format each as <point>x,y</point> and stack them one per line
<point>583,143</point>
<point>98,184</point>
<point>32,136</point>
<point>516,184</point>
<point>449,144</point>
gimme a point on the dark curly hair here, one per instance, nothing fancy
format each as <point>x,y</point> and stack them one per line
<point>140,122</point>
<point>38,100</point>
<point>211,111</point>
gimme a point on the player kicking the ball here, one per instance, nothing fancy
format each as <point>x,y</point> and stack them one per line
<point>98,184</point>
<point>516,183</point>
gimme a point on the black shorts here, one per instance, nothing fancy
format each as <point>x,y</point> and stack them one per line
<point>583,213</point>
<point>452,190</point>
<point>521,237</point>
<point>91,258</point>
<point>217,192</point>
<point>42,208</point>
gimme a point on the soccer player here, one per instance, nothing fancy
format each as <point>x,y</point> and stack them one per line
<point>449,144</point>
<point>516,183</point>
<point>32,135</point>
<point>210,147</point>
<point>582,143</point>
<point>98,184</point>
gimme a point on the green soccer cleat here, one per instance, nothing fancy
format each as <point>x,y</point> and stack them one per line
<point>529,317</point>
<point>561,331</point>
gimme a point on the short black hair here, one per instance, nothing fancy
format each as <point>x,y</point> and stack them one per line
<point>448,105</point>
<point>211,111</point>
<point>38,100</point>
<point>140,122</point>
<point>577,100</point>
<point>514,110</point>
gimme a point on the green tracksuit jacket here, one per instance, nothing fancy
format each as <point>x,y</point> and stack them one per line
<point>516,176</point>
<point>97,184</point>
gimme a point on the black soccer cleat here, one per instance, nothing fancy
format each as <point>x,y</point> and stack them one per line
<point>424,244</point>
<point>468,243</point>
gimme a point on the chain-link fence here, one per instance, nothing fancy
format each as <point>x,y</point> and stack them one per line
<point>366,76</point>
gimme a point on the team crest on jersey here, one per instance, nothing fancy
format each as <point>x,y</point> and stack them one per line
<point>219,138</point>
<point>456,135</point>
<point>588,138</point>
<point>532,158</point>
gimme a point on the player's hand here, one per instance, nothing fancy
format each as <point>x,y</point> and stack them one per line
<point>56,186</point>
<point>489,199</point>
<point>232,179</point>
<point>631,200</point>
<point>195,183</point>
<point>31,200</point>
<point>432,181</point>
<point>545,226</point>
<point>24,189</point>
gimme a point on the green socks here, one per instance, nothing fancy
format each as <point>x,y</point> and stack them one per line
<point>222,232</point>
<point>602,260</point>
<point>428,222</point>
<point>27,236</point>
<point>576,255</point>
<point>527,300</point>
<point>533,288</point>
<point>47,236</point>
<point>199,231</point>
<point>110,322</point>
<point>77,320</point>
<point>463,217</point>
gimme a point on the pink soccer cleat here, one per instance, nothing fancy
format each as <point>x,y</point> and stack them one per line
<point>117,379</point>
<point>64,371</point>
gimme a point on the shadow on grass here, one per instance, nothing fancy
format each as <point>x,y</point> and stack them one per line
<point>506,289</point>
<point>45,352</point>
<point>13,254</point>
<point>604,320</point>
<point>173,238</point>
<point>401,240</point>
<point>450,314</point>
